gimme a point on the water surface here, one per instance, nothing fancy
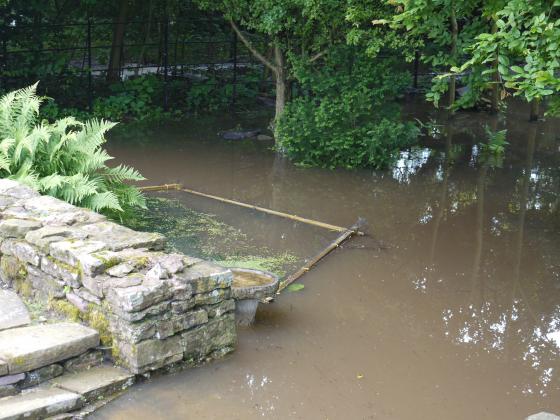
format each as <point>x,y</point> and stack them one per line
<point>449,309</point>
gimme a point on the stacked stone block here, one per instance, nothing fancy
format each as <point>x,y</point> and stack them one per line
<point>158,308</point>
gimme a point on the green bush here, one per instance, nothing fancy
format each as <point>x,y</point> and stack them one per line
<point>64,159</point>
<point>348,117</point>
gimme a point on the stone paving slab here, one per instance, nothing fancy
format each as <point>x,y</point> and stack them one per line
<point>28,348</point>
<point>13,312</point>
<point>39,404</point>
<point>96,382</point>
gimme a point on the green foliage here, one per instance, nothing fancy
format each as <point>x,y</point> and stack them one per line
<point>526,42</point>
<point>64,159</point>
<point>443,29</point>
<point>492,151</point>
<point>295,287</point>
<point>347,118</point>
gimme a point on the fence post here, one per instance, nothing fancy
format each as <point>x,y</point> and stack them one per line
<point>234,54</point>
<point>165,55</point>
<point>416,66</point>
<point>90,84</point>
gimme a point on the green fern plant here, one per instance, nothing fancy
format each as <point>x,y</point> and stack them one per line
<point>64,159</point>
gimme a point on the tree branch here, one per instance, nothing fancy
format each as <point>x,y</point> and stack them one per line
<point>317,56</point>
<point>251,48</point>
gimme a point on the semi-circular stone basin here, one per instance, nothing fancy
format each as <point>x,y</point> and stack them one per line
<point>248,288</point>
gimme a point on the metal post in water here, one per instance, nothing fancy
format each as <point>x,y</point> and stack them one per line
<point>234,53</point>
<point>416,66</point>
<point>90,84</point>
<point>165,55</point>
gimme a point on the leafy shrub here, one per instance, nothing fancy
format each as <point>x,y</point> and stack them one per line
<point>63,159</point>
<point>346,118</point>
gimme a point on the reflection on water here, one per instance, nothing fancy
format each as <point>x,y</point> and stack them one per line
<point>456,316</point>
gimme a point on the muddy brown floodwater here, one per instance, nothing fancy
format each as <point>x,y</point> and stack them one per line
<point>455,316</point>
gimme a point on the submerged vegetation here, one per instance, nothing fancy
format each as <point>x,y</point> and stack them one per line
<point>205,236</point>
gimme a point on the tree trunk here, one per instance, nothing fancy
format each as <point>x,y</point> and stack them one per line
<point>534,115</point>
<point>454,34</point>
<point>281,83</point>
<point>119,26</point>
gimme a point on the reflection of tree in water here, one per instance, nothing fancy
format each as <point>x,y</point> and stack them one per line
<point>504,302</point>
<point>511,319</point>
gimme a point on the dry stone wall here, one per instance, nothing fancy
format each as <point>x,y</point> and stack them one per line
<point>154,308</point>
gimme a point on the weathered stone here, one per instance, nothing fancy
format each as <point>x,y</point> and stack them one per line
<point>133,332</point>
<point>8,390</point>
<point>78,302</point>
<point>38,376</point>
<point>79,254</point>
<point>11,379</point>
<point>10,269</point>
<point>215,334</point>
<point>88,297</point>
<point>46,285</point>
<point>119,237</point>
<point>84,361</point>
<point>3,368</point>
<point>173,263</point>
<point>66,272</point>
<point>149,354</point>
<point>13,312</point>
<point>215,296</point>
<point>220,308</point>
<point>180,289</point>
<point>95,383</point>
<point>136,298</point>
<point>133,279</point>
<point>182,306</point>
<point>16,190</point>
<point>205,277</point>
<point>43,237</point>
<point>122,269</point>
<point>157,272</point>
<point>6,201</point>
<point>54,212</point>
<point>28,348</point>
<point>17,228</point>
<point>39,403</point>
<point>21,250</point>
<point>178,323</point>
<point>140,315</point>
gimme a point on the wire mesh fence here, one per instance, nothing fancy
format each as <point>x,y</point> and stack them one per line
<point>78,61</point>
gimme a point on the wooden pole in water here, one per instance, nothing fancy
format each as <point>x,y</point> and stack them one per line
<point>179,187</point>
<point>347,234</point>
<point>269,211</point>
<point>164,187</point>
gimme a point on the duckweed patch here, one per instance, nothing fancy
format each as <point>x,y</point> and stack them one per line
<point>205,236</point>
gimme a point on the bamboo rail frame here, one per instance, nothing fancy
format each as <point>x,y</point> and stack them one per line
<point>345,233</point>
<point>179,187</point>
<point>313,261</point>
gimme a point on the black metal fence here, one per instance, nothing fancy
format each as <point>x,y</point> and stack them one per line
<point>73,64</point>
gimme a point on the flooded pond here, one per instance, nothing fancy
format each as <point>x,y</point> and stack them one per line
<point>448,309</point>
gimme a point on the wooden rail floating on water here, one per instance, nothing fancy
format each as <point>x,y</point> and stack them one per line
<point>345,233</point>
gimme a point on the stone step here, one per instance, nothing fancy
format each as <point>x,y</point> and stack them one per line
<point>13,312</point>
<point>27,348</point>
<point>95,383</point>
<point>39,403</point>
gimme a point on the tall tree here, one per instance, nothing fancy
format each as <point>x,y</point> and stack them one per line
<point>115,56</point>
<point>297,30</point>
